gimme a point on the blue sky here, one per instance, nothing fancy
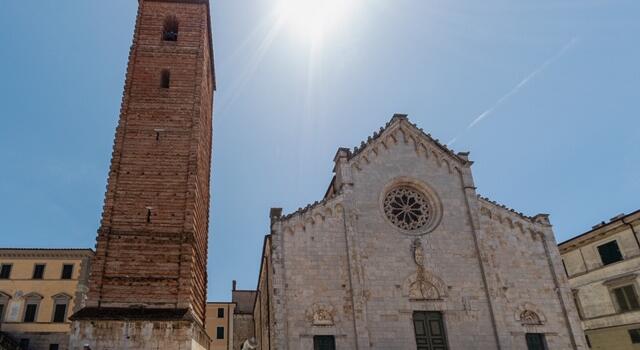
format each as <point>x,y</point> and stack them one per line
<point>557,84</point>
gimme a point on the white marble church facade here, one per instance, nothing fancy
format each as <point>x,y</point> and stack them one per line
<point>403,254</point>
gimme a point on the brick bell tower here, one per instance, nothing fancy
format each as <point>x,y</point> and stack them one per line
<point>148,281</point>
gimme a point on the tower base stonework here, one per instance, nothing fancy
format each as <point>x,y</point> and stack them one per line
<point>119,329</point>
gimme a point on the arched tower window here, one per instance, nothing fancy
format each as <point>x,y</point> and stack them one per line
<point>170,31</point>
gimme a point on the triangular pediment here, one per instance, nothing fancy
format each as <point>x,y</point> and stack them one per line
<point>400,129</point>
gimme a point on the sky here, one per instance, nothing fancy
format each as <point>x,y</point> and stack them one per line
<point>544,94</point>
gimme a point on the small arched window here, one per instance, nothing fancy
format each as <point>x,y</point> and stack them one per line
<point>170,31</point>
<point>165,79</point>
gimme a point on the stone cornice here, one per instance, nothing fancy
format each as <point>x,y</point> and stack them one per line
<point>308,208</point>
<point>399,120</point>
<point>504,207</point>
<point>614,226</point>
<point>28,253</point>
<point>535,226</point>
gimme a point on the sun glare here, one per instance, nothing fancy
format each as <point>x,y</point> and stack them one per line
<point>314,19</point>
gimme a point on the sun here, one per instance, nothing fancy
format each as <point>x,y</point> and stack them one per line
<point>314,19</point>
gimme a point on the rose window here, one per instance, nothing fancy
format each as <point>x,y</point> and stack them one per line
<point>407,208</point>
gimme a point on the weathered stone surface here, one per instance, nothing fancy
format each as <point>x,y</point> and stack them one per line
<point>341,267</point>
<point>117,335</point>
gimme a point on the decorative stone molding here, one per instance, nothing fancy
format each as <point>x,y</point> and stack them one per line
<point>423,285</point>
<point>514,220</point>
<point>408,131</point>
<point>435,205</point>
<point>33,296</point>
<point>62,296</point>
<point>398,129</point>
<point>321,315</point>
<point>528,314</point>
<point>497,205</point>
<point>621,279</point>
<point>70,253</point>
<point>407,208</point>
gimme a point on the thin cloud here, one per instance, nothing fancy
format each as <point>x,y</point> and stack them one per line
<point>519,86</point>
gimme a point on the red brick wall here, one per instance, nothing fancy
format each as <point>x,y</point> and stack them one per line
<point>161,263</point>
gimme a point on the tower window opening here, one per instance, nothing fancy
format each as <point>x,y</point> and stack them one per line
<point>148,215</point>
<point>158,131</point>
<point>170,31</point>
<point>165,79</point>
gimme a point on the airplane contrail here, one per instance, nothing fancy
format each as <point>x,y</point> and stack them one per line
<point>519,86</point>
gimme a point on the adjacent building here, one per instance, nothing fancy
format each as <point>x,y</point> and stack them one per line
<point>219,325</point>
<point>401,253</point>
<point>39,290</point>
<point>603,266</point>
<point>243,317</point>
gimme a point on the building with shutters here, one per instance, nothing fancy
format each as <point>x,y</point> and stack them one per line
<point>603,266</point>
<point>39,290</point>
<point>402,253</point>
<point>219,325</point>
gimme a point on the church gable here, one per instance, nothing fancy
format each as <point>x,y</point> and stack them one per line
<point>400,130</point>
<point>400,229</point>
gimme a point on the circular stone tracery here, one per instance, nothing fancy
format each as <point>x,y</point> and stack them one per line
<point>407,208</point>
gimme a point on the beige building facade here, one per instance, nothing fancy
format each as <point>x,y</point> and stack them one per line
<point>603,266</point>
<point>39,290</point>
<point>219,325</point>
<point>402,253</point>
